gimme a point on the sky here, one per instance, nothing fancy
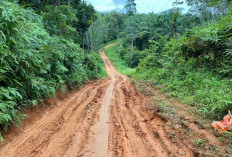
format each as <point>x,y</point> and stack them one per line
<point>143,6</point>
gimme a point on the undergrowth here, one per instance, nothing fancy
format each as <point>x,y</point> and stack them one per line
<point>36,62</point>
<point>120,64</point>
<point>196,67</point>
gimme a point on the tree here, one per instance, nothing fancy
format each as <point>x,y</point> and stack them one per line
<point>178,2</point>
<point>106,27</point>
<point>130,7</point>
<point>116,21</point>
<point>132,32</point>
<point>175,15</point>
<point>60,21</point>
<point>209,10</point>
<point>97,34</point>
<point>86,14</point>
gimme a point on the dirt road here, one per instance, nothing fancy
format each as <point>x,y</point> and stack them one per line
<point>106,118</point>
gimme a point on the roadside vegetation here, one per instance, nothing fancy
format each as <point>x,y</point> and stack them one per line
<point>187,54</point>
<point>47,46</point>
<point>114,53</point>
<point>40,55</point>
<point>195,67</point>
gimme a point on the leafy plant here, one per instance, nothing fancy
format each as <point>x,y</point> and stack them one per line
<point>194,67</point>
<point>199,142</point>
<point>120,64</point>
<point>36,59</point>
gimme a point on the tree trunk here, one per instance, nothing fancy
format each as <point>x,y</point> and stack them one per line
<point>174,29</point>
<point>131,55</point>
<point>69,3</point>
<point>83,44</point>
<point>117,32</point>
<point>174,21</point>
<point>91,38</point>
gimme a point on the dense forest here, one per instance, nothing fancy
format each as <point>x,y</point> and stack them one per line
<point>51,45</point>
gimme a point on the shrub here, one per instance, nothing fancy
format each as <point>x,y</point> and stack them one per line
<point>195,67</point>
<point>35,63</point>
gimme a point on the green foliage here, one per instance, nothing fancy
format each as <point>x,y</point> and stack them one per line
<point>209,10</point>
<point>138,27</point>
<point>199,142</point>
<point>107,27</point>
<point>86,14</point>
<point>145,27</point>
<point>125,54</point>
<point>195,68</point>
<point>115,21</point>
<point>212,45</point>
<point>130,7</point>
<point>34,63</point>
<point>95,66</point>
<point>69,18</point>
<point>114,53</point>
<point>98,32</point>
<point>60,21</point>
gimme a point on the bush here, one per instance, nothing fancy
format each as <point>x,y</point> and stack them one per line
<point>195,67</point>
<point>34,64</point>
<point>212,45</point>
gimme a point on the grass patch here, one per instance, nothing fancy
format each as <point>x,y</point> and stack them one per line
<point>210,93</point>
<point>111,42</point>
<point>195,68</point>
<point>119,64</point>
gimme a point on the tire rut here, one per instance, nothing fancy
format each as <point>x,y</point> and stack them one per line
<point>42,134</point>
<point>106,118</point>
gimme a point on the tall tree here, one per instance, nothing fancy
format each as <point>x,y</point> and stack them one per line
<point>209,9</point>
<point>98,32</point>
<point>132,32</point>
<point>86,14</point>
<point>130,7</point>
<point>115,20</point>
<point>175,15</point>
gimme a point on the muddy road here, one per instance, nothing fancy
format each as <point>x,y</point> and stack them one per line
<point>106,118</point>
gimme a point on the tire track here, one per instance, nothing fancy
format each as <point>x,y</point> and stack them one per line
<point>41,135</point>
<point>106,118</point>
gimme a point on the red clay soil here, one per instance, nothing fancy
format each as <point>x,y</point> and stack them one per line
<point>106,118</point>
